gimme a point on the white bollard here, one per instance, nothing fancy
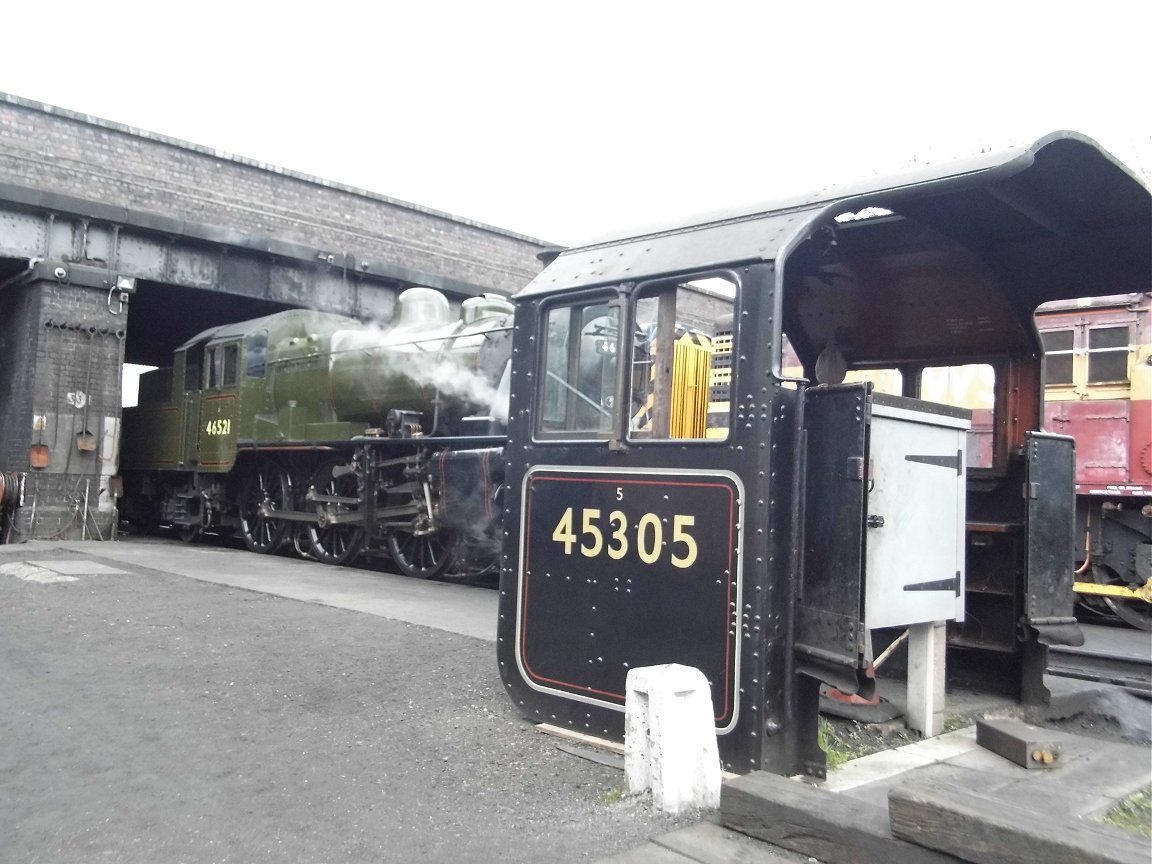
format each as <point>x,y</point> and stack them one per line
<point>670,737</point>
<point>926,650</point>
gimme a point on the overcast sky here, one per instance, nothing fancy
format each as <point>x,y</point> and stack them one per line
<point>563,120</point>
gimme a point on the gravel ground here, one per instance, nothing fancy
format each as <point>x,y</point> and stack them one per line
<point>152,718</point>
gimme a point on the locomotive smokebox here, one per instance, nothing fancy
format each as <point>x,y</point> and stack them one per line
<point>425,362</point>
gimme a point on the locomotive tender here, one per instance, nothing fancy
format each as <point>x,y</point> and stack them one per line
<point>665,491</point>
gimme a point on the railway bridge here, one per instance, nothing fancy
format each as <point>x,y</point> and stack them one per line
<point>117,245</point>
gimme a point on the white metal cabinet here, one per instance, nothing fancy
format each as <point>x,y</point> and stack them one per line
<point>914,545</point>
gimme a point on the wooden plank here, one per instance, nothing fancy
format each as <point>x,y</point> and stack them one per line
<point>709,843</point>
<point>599,743</point>
<point>573,735</point>
<point>993,830</point>
<point>836,829</point>
<point>612,760</point>
<point>649,853</point>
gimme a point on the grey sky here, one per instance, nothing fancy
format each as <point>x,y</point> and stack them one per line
<point>562,120</point>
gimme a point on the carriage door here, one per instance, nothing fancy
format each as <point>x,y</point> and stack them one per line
<point>830,635</point>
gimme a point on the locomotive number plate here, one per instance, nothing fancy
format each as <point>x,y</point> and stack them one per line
<point>623,569</point>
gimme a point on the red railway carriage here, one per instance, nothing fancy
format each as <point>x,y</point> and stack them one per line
<point>1098,389</point>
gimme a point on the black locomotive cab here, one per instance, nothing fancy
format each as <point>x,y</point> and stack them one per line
<point>618,524</point>
<point>741,445</point>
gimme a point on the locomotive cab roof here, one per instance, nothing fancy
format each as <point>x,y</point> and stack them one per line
<point>298,322</point>
<point>951,260</point>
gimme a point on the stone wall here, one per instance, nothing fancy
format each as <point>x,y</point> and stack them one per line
<point>19,332</point>
<point>66,351</point>
<point>59,151</point>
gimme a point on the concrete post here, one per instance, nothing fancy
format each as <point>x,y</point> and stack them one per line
<point>670,737</point>
<point>926,645</point>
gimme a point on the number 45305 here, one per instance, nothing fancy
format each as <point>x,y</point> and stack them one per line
<point>649,536</point>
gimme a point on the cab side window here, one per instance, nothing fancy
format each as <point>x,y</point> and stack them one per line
<point>193,367</point>
<point>256,354</point>
<point>681,360</point>
<point>577,393</point>
<point>223,362</point>
<point>971,386</point>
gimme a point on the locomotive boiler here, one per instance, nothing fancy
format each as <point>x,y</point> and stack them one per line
<point>336,436</point>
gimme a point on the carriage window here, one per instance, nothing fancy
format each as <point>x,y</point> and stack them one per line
<point>256,353</point>
<point>1107,354</point>
<point>682,360</point>
<point>580,345</point>
<point>1057,356</point>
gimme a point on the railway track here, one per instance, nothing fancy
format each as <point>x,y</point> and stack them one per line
<point>1109,655</point>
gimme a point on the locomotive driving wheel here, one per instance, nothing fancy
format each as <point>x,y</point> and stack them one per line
<point>421,553</point>
<point>265,491</point>
<point>334,540</point>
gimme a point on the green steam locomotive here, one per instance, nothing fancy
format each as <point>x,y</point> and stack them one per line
<point>331,435</point>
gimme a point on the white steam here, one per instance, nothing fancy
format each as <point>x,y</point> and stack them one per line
<point>439,356</point>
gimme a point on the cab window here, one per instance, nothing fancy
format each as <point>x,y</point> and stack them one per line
<point>971,386</point>
<point>889,380</point>
<point>681,359</point>
<point>193,360</point>
<point>580,348</point>
<point>223,361</point>
<point>256,354</point>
